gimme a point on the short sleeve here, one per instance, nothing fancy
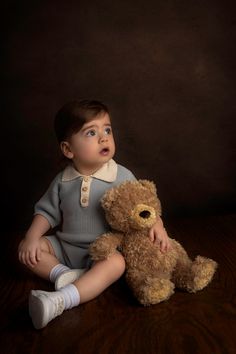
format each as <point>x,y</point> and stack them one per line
<point>125,174</point>
<point>49,204</point>
<point>131,176</point>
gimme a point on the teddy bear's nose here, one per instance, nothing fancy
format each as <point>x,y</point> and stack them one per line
<point>145,214</point>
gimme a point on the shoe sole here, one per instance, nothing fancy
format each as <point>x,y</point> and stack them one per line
<point>68,277</point>
<point>37,311</point>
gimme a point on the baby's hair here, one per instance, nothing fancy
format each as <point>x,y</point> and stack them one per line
<point>72,116</point>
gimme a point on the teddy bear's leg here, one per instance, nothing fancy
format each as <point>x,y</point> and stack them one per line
<point>202,272</point>
<point>149,290</point>
<point>192,275</point>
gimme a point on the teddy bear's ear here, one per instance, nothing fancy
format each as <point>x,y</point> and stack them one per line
<point>149,184</point>
<point>108,198</point>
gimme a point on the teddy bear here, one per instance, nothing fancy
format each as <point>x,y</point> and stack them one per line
<point>131,208</point>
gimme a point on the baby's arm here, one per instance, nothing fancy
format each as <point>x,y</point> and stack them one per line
<point>29,250</point>
<point>158,235</point>
<point>46,214</point>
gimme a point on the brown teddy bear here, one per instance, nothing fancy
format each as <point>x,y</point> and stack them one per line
<point>131,208</point>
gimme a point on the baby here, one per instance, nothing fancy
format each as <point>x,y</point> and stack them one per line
<point>72,201</point>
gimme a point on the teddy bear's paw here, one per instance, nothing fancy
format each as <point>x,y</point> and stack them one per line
<point>155,290</point>
<point>203,270</point>
<point>101,251</point>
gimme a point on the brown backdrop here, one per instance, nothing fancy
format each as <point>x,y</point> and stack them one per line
<point>166,69</point>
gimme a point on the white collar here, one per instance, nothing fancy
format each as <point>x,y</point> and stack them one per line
<point>107,172</point>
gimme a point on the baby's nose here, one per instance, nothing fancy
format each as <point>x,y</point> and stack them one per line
<point>104,138</point>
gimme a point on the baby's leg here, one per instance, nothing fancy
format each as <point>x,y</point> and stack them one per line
<point>44,306</point>
<point>100,276</point>
<point>47,262</point>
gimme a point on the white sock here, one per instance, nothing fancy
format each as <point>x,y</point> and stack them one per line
<point>71,296</point>
<point>56,271</point>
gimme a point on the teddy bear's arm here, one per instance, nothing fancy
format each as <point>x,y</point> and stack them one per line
<point>105,245</point>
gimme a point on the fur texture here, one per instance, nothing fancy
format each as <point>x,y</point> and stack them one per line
<point>131,209</point>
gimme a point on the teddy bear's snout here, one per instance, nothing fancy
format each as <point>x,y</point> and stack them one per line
<point>143,216</point>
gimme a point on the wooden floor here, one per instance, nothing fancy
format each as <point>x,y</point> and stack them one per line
<point>199,323</point>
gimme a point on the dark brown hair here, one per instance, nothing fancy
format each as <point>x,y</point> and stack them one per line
<point>72,116</point>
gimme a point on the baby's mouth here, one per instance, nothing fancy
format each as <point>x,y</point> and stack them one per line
<point>104,151</point>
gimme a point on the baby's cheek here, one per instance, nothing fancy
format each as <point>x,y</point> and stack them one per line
<point>87,150</point>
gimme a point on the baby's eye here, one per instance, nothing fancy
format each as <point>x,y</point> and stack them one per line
<point>92,133</point>
<point>108,130</point>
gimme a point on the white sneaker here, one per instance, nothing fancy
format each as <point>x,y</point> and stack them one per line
<point>68,277</point>
<point>45,306</point>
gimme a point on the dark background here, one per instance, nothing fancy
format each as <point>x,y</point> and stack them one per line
<point>166,70</point>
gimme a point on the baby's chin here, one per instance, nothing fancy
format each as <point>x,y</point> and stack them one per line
<point>99,161</point>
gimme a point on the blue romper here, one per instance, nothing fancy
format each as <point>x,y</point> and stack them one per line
<point>73,200</point>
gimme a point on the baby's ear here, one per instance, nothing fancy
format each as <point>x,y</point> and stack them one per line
<point>108,198</point>
<point>148,184</point>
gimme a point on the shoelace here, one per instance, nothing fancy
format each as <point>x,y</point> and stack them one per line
<point>58,304</point>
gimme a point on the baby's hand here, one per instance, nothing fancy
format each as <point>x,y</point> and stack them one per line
<point>159,236</point>
<point>29,252</point>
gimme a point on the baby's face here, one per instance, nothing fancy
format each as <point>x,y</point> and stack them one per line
<point>94,144</point>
